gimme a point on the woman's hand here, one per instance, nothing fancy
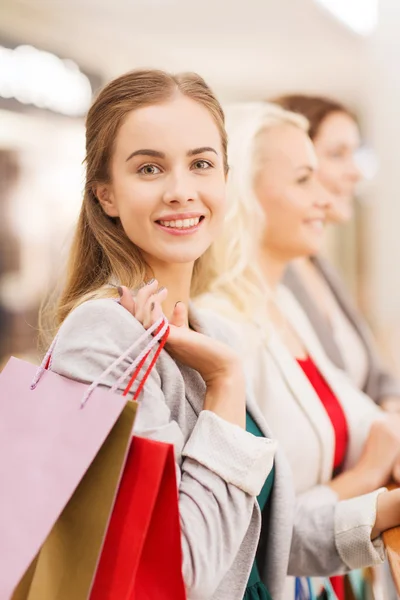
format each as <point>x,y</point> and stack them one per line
<point>387,512</point>
<point>216,362</point>
<point>379,460</point>
<point>391,404</point>
<point>378,463</point>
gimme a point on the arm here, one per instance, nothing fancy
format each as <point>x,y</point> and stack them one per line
<point>222,467</point>
<point>334,537</point>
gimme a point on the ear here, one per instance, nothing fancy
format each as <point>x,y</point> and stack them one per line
<point>104,195</point>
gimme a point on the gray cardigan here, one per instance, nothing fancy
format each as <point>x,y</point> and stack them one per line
<point>221,467</point>
<point>379,383</point>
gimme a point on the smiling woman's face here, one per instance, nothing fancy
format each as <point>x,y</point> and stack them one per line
<point>168,180</point>
<point>336,143</point>
<point>288,190</point>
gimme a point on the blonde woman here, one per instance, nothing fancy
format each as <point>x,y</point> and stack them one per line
<point>341,447</point>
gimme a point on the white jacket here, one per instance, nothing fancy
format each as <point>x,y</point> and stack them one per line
<point>303,429</point>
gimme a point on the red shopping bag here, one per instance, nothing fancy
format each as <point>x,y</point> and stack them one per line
<point>142,557</point>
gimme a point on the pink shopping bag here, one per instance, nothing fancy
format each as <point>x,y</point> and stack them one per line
<point>51,429</point>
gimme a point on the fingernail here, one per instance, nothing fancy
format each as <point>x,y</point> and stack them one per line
<point>152,305</point>
<point>120,291</point>
<point>151,281</point>
<point>161,289</point>
<point>176,303</point>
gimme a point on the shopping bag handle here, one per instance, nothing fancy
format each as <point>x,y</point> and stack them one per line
<point>161,345</point>
<point>160,329</point>
<point>163,331</point>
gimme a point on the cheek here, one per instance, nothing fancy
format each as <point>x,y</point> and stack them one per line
<point>269,196</point>
<point>136,198</point>
<point>214,196</point>
<point>279,216</point>
<point>330,175</point>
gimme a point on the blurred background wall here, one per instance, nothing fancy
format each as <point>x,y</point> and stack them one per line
<point>247,51</point>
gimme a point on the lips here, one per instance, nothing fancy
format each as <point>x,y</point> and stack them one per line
<point>181,223</point>
<point>317,224</point>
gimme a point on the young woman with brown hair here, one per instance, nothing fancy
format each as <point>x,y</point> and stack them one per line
<point>154,202</point>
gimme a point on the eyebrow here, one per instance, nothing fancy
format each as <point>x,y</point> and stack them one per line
<point>201,151</point>
<point>146,152</point>
<point>308,167</point>
<point>158,154</point>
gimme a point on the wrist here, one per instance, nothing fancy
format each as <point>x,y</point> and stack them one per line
<point>369,479</point>
<point>226,397</point>
<point>227,376</point>
<point>387,512</point>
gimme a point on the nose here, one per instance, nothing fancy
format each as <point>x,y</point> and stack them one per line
<point>323,198</point>
<point>354,172</point>
<point>179,189</point>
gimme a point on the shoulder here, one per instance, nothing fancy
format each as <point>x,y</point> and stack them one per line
<point>101,315</point>
<point>97,324</point>
<point>92,336</point>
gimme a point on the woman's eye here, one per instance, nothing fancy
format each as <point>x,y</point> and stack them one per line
<point>202,164</point>
<point>337,154</point>
<point>150,170</point>
<point>304,180</point>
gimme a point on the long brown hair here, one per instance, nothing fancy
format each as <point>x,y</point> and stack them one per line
<point>315,108</point>
<point>101,251</point>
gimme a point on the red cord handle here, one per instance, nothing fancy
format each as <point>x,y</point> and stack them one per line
<point>132,380</point>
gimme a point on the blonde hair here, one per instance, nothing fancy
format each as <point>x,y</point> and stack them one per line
<point>101,251</point>
<point>236,276</point>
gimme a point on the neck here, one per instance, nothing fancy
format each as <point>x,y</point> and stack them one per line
<point>177,279</point>
<point>272,266</point>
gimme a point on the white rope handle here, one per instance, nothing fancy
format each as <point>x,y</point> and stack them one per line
<point>162,323</point>
<point>123,356</point>
<point>141,356</point>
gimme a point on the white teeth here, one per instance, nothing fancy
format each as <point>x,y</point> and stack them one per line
<point>181,223</point>
<point>317,224</point>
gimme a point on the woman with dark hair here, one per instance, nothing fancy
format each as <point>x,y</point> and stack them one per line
<point>339,325</point>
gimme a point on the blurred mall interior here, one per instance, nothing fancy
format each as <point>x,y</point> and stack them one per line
<point>54,55</point>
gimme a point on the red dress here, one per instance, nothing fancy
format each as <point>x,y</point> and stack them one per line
<point>339,423</point>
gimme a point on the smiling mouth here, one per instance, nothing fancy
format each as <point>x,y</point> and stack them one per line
<point>181,223</point>
<point>317,224</point>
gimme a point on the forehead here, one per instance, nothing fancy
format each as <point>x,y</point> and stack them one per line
<point>179,123</point>
<point>339,128</point>
<point>287,145</point>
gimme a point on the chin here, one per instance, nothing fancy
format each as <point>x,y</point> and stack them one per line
<point>310,249</point>
<point>342,213</point>
<point>177,257</point>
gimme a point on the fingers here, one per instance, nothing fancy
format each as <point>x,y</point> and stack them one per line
<point>148,302</point>
<point>142,297</point>
<point>126,299</point>
<point>391,405</point>
<point>180,315</point>
<point>153,309</point>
